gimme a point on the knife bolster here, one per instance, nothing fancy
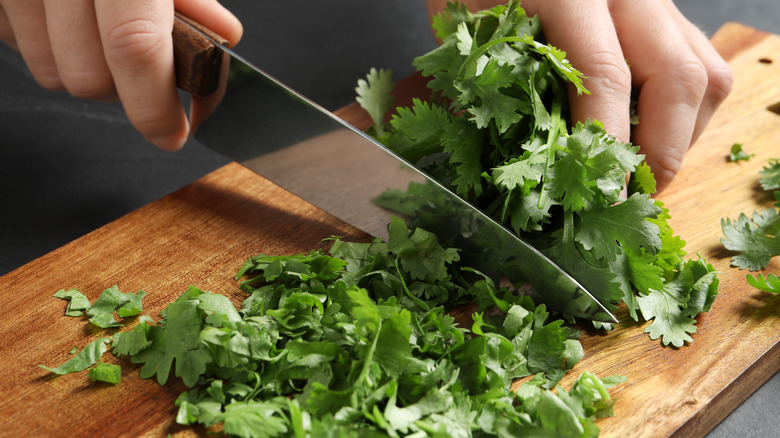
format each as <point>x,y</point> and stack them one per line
<point>197,56</point>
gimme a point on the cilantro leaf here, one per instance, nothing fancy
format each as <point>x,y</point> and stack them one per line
<point>770,283</point>
<point>771,175</point>
<point>402,418</point>
<point>625,223</point>
<point>418,130</point>
<point>602,281</point>
<point>374,94</point>
<point>443,64</point>
<point>421,255</point>
<point>78,302</point>
<point>737,153</point>
<point>133,341</point>
<point>690,292</point>
<point>463,142</point>
<point>446,22</point>
<point>530,212</point>
<point>177,341</point>
<point>396,351</point>
<point>547,345</point>
<point>757,237</point>
<point>254,419</point>
<point>590,162</point>
<point>671,254</point>
<point>85,358</point>
<point>642,180</point>
<point>644,273</point>
<point>133,304</point>
<point>483,93</point>
<point>525,173</point>
<point>110,300</point>
<point>559,62</point>
<point>669,322</point>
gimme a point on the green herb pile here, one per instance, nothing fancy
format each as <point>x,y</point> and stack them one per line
<point>357,343</point>
<point>495,131</point>
<point>757,238</point>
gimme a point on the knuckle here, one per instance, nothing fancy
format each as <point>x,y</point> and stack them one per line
<point>720,81</point>
<point>610,71</point>
<point>690,77</point>
<point>135,42</point>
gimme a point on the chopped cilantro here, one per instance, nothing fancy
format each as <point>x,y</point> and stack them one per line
<point>359,341</point>
<point>78,302</point>
<point>102,310</point>
<point>104,372</point>
<point>85,358</point>
<point>737,153</point>
<point>112,299</point>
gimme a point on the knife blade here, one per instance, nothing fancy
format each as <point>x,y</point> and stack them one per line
<point>269,128</point>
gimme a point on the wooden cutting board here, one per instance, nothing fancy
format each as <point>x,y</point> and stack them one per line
<point>201,234</point>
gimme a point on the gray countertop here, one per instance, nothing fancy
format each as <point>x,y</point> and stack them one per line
<point>69,166</point>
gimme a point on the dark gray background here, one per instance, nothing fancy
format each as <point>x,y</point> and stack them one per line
<point>69,166</point>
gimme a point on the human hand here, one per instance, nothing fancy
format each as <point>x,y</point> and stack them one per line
<point>680,77</point>
<point>108,49</point>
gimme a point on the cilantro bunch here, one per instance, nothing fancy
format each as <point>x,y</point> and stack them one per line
<point>357,343</point>
<point>496,132</point>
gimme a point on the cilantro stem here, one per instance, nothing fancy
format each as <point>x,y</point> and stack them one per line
<point>552,139</point>
<point>568,227</point>
<point>419,302</point>
<point>368,359</point>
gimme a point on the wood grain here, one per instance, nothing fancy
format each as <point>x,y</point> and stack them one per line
<point>201,234</point>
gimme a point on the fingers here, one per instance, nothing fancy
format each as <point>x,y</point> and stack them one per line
<point>584,29</point>
<point>27,21</point>
<point>680,77</point>
<point>6,33</point>
<point>720,78</point>
<point>670,69</point>
<point>77,50</point>
<point>214,16</point>
<point>218,19</point>
<point>671,80</point>
<point>139,52</point>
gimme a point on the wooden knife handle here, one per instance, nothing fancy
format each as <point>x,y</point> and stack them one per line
<point>197,58</point>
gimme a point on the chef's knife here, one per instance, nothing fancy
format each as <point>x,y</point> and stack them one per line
<point>262,124</point>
